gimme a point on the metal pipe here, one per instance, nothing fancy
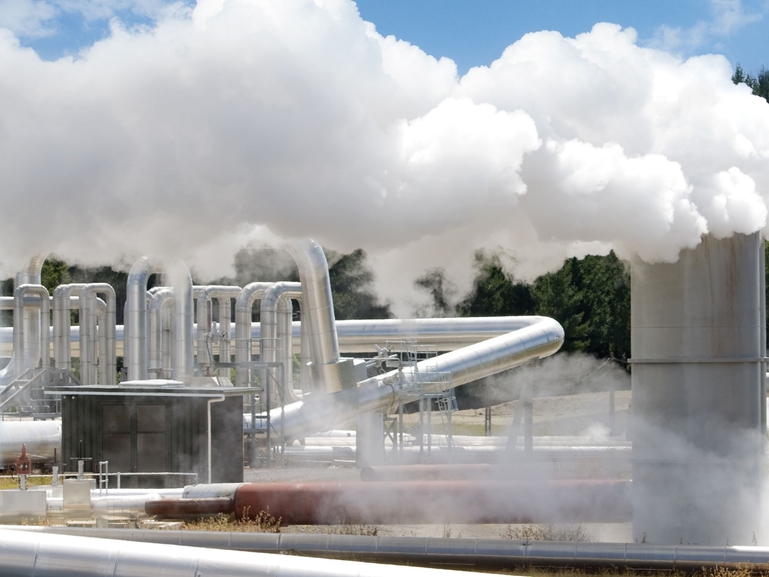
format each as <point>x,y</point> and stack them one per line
<point>42,555</point>
<point>62,303</point>
<point>31,318</point>
<point>160,299</point>
<point>223,294</point>
<point>243,310</point>
<point>42,438</point>
<point>356,336</point>
<point>426,502</point>
<point>135,347</point>
<point>183,343</point>
<point>479,554</point>
<point>275,344</point>
<point>107,328</point>
<point>135,328</point>
<point>535,337</point>
<point>332,373</point>
<point>42,352</point>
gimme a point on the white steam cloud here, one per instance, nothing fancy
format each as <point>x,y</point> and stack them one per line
<point>255,118</point>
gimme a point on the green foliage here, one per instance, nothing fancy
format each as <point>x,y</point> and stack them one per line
<point>590,297</point>
<point>352,287</point>
<point>759,83</point>
<point>54,273</point>
<point>495,292</point>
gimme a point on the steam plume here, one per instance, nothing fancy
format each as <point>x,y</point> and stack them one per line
<point>254,118</point>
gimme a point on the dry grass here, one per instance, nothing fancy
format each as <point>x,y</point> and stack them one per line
<point>263,523</point>
<point>12,482</point>
<point>547,533</point>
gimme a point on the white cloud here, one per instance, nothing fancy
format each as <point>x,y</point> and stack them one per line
<point>36,18</point>
<point>27,17</point>
<point>727,18</point>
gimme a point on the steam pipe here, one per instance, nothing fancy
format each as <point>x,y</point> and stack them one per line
<point>43,555</point>
<point>42,439</point>
<point>243,308</point>
<point>356,336</point>
<point>161,299</point>
<point>420,502</point>
<point>328,369</point>
<point>276,336</point>
<point>135,331</point>
<point>135,328</point>
<point>62,324</point>
<point>479,554</point>
<point>42,351</point>
<point>223,294</point>
<point>88,320</point>
<point>535,337</point>
<point>31,321</point>
<point>89,334</point>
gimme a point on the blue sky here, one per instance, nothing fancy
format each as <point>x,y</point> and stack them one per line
<point>471,32</point>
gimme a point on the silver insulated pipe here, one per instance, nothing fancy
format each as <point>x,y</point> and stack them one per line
<point>330,373</point>
<point>136,349</point>
<point>532,338</point>
<point>105,336</point>
<point>275,320</point>
<point>41,350</point>
<point>159,347</point>
<point>41,555</point>
<point>223,296</point>
<point>243,309</point>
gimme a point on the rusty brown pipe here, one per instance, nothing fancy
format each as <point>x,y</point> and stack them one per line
<point>437,502</point>
<point>559,501</point>
<point>189,509</point>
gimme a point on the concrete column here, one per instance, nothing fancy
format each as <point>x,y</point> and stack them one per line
<point>698,343</point>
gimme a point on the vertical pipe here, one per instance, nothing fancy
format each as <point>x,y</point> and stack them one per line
<point>135,322</point>
<point>135,329</point>
<point>31,317</point>
<point>243,307</point>
<point>42,352</point>
<point>328,368</point>
<point>223,294</point>
<point>88,338</point>
<point>157,302</point>
<point>275,343</point>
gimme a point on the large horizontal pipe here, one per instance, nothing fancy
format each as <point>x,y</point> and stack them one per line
<point>42,439</point>
<point>422,502</point>
<point>42,555</point>
<point>532,338</point>
<point>480,554</point>
<point>358,336</point>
